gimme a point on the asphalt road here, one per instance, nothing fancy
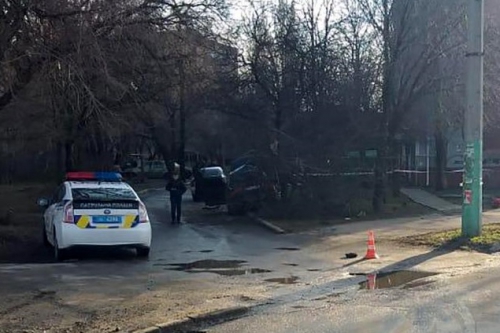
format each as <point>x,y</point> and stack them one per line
<point>306,288</point>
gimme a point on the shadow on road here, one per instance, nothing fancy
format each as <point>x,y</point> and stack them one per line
<point>102,253</point>
<point>39,254</point>
<point>417,260</point>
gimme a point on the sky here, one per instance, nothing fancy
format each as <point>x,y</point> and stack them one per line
<point>239,8</point>
<point>242,9</point>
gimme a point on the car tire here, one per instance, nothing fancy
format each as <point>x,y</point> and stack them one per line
<point>59,254</point>
<point>254,208</point>
<point>46,242</point>
<point>143,252</point>
<point>235,210</point>
<point>196,197</point>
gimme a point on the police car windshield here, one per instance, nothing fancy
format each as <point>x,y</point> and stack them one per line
<point>102,194</point>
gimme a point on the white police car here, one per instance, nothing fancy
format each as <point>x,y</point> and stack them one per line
<point>95,209</point>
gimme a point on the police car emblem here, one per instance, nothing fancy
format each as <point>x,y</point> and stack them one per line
<point>107,211</point>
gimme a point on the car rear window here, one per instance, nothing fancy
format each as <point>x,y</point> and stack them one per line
<point>102,194</point>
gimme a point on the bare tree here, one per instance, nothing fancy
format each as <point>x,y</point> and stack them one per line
<point>274,61</point>
<point>76,54</point>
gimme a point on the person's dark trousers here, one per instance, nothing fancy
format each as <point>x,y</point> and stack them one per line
<point>175,208</point>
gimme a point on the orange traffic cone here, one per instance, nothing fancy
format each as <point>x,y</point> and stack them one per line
<point>371,281</point>
<point>370,252</point>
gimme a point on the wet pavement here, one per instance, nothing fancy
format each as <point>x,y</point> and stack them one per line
<point>303,291</point>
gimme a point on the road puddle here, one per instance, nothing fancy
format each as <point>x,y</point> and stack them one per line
<point>207,264</point>
<point>232,272</point>
<point>290,264</point>
<point>287,248</point>
<point>284,280</point>
<point>202,251</point>
<point>220,267</point>
<point>393,279</point>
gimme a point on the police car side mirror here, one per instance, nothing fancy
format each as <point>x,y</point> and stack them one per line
<point>43,202</point>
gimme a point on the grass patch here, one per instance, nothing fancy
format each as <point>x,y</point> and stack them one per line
<point>453,239</point>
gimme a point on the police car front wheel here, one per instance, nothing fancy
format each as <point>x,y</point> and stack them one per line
<point>143,252</point>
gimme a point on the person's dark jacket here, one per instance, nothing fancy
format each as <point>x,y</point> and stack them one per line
<point>176,187</point>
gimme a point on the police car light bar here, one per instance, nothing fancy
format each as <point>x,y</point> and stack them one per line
<point>95,176</point>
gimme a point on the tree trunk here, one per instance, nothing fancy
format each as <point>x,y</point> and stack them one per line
<point>162,146</point>
<point>379,188</point>
<point>380,175</point>
<point>68,155</point>
<point>378,198</point>
<point>182,123</point>
<point>441,158</point>
<point>393,165</point>
<point>173,135</point>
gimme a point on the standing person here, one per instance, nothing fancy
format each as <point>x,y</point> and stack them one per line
<point>177,188</point>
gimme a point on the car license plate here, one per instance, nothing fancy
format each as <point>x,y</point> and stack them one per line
<point>106,219</point>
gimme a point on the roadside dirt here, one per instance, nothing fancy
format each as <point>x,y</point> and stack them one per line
<point>63,311</point>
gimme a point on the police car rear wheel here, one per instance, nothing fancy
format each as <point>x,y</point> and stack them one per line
<point>59,254</point>
<point>143,252</point>
<point>45,239</point>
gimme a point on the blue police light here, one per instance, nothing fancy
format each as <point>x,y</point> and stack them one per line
<point>108,176</point>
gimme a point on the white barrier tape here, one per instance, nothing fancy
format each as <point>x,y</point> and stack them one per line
<point>388,172</point>
<point>423,172</point>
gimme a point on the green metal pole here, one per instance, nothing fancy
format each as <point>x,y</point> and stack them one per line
<point>473,160</point>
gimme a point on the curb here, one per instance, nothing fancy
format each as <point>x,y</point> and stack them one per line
<point>267,224</point>
<point>187,324</point>
<point>451,211</point>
